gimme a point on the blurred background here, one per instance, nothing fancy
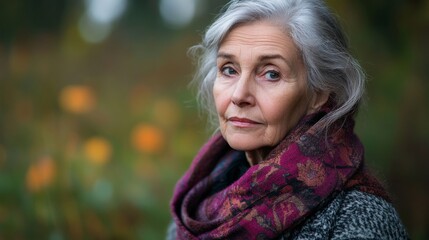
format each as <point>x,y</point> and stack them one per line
<point>97,122</point>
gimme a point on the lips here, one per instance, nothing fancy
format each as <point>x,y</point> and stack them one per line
<point>242,122</point>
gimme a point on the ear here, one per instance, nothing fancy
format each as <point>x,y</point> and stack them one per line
<point>317,101</point>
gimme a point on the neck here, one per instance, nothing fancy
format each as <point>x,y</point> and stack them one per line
<point>256,156</point>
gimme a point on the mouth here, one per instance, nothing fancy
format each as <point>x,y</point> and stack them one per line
<point>242,122</point>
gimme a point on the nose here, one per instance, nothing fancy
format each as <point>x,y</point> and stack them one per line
<point>242,95</point>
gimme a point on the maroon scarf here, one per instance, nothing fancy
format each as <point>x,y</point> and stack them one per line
<point>298,177</point>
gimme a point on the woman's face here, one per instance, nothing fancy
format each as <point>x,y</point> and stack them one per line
<point>260,90</point>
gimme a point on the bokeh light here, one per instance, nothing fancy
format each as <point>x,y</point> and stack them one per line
<point>102,192</point>
<point>93,31</point>
<point>147,138</point>
<point>105,11</point>
<point>40,174</point>
<point>77,99</point>
<point>177,13</point>
<point>96,23</point>
<point>98,150</point>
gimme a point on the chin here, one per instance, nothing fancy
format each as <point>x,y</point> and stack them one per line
<point>243,143</point>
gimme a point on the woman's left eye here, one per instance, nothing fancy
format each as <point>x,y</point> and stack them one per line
<point>272,75</point>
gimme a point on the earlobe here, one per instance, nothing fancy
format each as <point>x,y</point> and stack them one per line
<point>317,101</point>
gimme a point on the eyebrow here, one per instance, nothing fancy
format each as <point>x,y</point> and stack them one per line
<point>260,58</point>
<point>225,55</point>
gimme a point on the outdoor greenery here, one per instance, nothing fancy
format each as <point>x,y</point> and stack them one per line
<point>94,135</point>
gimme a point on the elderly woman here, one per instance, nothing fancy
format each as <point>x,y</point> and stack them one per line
<point>283,88</point>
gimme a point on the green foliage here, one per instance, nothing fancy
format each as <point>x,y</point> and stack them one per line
<point>93,137</point>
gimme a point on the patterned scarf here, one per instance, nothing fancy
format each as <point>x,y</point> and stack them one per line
<point>298,177</point>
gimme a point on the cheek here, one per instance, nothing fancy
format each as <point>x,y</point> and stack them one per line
<point>284,113</point>
<point>219,99</point>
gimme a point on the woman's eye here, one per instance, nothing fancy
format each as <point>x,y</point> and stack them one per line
<point>228,71</point>
<point>272,75</point>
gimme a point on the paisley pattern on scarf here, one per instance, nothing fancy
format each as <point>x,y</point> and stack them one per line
<point>299,176</point>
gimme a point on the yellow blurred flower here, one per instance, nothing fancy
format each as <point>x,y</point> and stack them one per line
<point>40,174</point>
<point>77,99</point>
<point>147,138</point>
<point>98,150</point>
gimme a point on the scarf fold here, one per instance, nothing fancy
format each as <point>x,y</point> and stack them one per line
<point>299,176</point>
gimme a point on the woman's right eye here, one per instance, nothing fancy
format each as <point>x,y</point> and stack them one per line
<point>228,71</point>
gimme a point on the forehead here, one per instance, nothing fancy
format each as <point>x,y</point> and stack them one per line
<point>260,34</point>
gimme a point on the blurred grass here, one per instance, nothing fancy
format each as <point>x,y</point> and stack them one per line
<point>93,137</point>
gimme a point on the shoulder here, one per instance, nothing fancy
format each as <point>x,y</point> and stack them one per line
<point>354,215</point>
<point>366,216</point>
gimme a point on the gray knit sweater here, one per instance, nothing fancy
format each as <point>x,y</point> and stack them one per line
<point>351,215</point>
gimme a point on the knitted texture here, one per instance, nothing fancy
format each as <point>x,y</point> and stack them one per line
<point>351,215</point>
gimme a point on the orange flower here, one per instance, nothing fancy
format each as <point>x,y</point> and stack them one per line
<point>97,150</point>
<point>77,99</point>
<point>40,174</point>
<point>147,138</point>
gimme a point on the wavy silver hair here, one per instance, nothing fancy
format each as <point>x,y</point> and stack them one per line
<point>315,31</point>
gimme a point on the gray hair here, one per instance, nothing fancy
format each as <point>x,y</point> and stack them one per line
<point>315,31</point>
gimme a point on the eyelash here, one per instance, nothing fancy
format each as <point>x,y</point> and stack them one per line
<point>277,74</point>
<point>229,68</point>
